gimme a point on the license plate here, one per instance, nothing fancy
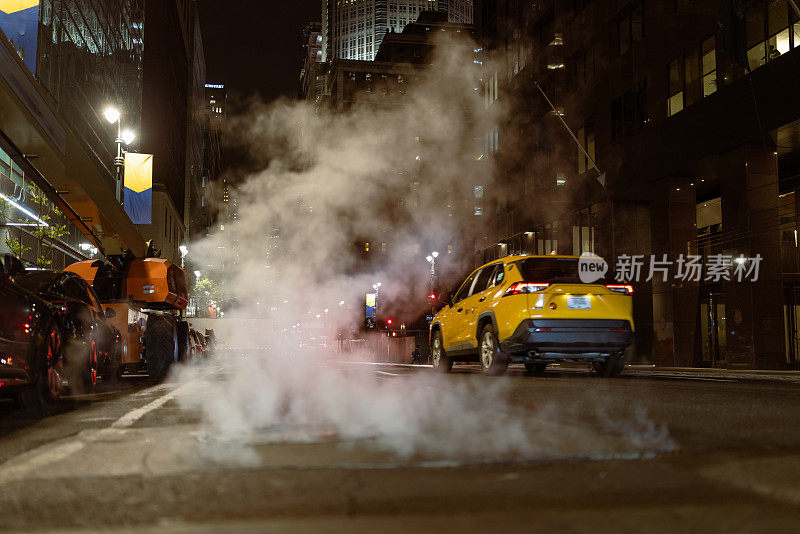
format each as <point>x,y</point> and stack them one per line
<point>579,303</point>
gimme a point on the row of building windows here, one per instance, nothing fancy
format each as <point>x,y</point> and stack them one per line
<point>629,113</point>
<point>416,248</point>
<point>770,32</point>
<point>631,27</point>
<point>586,139</point>
<point>692,76</point>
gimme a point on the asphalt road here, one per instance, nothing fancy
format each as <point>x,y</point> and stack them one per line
<point>561,452</point>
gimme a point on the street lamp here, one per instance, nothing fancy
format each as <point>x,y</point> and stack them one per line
<point>432,260</point>
<point>113,115</point>
<point>377,288</point>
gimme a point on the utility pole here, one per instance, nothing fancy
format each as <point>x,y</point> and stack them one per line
<point>796,9</point>
<point>602,177</point>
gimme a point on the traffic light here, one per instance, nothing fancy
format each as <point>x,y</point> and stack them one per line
<point>432,296</point>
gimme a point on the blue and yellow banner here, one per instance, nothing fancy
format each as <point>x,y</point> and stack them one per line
<point>139,187</point>
<point>370,305</point>
<point>19,20</point>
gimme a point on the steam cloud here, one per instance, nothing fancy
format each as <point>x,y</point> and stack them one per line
<point>392,173</point>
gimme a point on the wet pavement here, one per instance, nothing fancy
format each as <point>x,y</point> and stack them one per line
<point>638,453</point>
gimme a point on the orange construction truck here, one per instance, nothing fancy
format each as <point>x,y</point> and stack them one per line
<point>142,298</point>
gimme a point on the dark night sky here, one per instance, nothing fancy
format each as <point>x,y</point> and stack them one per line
<point>254,45</point>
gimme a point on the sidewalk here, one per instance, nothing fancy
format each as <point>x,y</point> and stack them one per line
<point>722,375</point>
<point>651,371</point>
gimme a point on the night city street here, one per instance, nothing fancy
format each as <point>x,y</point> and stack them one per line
<point>634,453</point>
<point>400,266</point>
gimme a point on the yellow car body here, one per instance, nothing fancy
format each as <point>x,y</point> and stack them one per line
<point>534,310</point>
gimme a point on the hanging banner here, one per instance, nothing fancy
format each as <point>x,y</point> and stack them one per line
<point>19,20</point>
<point>370,305</point>
<point>139,187</point>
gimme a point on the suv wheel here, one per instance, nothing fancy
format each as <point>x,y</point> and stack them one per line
<point>493,360</point>
<point>439,359</point>
<point>611,366</point>
<point>535,368</point>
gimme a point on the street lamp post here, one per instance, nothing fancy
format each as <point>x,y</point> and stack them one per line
<point>126,137</point>
<point>377,288</point>
<point>432,260</point>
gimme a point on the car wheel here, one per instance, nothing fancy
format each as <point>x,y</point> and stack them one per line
<point>46,390</point>
<point>493,360</point>
<point>535,368</point>
<point>90,371</point>
<point>441,362</point>
<point>611,366</point>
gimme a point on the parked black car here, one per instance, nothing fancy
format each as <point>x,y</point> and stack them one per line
<point>89,342</point>
<point>31,341</point>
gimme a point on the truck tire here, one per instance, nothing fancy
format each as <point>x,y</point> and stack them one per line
<point>160,345</point>
<point>182,329</point>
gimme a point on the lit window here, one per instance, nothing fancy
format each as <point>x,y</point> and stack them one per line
<point>586,139</point>
<point>709,66</point>
<point>675,102</point>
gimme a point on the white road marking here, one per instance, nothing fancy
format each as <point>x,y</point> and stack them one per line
<point>131,417</point>
<point>388,374</point>
<point>19,467</point>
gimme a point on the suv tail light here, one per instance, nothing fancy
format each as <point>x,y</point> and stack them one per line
<point>619,288</point>
<point>525,287</point>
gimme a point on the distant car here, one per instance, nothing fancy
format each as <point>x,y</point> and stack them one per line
<point>211,343</point>
<point>31,341</point>
<point>197,345</point>
<point>534,310</point>
<point>90,344</point>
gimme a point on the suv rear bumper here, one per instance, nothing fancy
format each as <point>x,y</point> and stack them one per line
<point>569,336</point>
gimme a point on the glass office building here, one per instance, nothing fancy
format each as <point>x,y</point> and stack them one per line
<point>89,57</point>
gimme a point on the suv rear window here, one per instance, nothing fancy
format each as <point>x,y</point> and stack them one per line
<point>555,270</point>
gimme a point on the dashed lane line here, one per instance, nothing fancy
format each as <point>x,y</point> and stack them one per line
<point>21,466</point>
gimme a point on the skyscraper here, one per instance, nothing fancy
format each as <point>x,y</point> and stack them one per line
<point>311,43</point>
<point>354,30</point>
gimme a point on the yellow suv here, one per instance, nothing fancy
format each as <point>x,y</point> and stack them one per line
<point>535,310</point>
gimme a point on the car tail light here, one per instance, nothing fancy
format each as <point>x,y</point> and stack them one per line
<point>625,289</point>
<point>525,287</point>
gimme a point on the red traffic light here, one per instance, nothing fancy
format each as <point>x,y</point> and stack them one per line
<point>432,296</point>
<point>388,321</point>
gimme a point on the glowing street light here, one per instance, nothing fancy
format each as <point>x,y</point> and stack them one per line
<point>114,116</point>
<point>432,260</point>
<point>128,137</point>
<point>377,287</point>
